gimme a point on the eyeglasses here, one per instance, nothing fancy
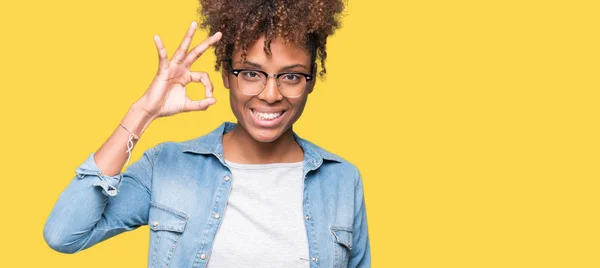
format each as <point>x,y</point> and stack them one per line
<point>253,82</point>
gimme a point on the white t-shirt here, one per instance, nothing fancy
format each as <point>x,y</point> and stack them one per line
<point>263,223</point>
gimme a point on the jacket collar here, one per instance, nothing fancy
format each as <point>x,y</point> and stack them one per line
<point>212,143</point>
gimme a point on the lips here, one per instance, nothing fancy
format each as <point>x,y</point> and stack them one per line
<point>267,118</point>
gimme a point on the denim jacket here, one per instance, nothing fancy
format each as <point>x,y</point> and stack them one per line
<point>179,189</point>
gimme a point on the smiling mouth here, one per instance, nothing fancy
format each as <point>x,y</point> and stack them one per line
<point>267,116</point>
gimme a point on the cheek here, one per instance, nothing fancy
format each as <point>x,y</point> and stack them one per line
<point>238,101</point>
<point>298,108</point>
<point>234,102</point>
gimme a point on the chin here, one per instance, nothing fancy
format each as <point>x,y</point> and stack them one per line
<point>262,134</point>
<point>265,136</point>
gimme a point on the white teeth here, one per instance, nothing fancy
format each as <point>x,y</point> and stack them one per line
<point>267,116</point>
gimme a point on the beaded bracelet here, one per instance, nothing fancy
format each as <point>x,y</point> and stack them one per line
<point>129,142</point>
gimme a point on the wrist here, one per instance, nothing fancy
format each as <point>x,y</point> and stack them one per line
<point>137,120</point>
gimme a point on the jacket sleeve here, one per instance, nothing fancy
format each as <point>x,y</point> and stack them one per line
<point>360,254</point>
<point>95,207</point>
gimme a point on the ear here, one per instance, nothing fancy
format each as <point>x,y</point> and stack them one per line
<point>225,77</point>
<point>312,83</point>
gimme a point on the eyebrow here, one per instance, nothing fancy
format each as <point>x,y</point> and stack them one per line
<point>285,68</point>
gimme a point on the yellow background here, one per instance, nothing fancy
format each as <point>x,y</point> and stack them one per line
<point>474,123</point>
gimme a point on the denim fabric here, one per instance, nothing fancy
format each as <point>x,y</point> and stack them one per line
<point>179,189</point>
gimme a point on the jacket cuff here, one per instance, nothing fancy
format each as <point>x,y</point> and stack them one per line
<point>109,184</point>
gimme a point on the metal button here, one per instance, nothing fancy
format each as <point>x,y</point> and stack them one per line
<point>155,223</point>
<point>227,178</point>
<point>314,259</point>
<point>308,217</point>
<point>217,216</point>
<point>203,256</point>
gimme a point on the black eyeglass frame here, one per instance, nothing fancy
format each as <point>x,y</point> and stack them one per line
<point>236,72</point>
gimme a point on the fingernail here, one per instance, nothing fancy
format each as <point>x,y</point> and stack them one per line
<point>193,24</point>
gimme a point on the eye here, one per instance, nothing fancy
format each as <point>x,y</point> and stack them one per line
<point>250,75</point>
<point>290,78</point>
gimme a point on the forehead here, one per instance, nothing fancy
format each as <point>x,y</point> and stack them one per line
<point>282,54</point>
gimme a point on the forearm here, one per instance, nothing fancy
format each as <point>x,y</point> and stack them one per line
<point>95,207</point>
<point>69,227</point>
<point>112,155</point>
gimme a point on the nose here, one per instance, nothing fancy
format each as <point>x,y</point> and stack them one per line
<point>270,93</point>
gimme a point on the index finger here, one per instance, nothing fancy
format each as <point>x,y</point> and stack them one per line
<point>185,43</point>
<point>198,50</point>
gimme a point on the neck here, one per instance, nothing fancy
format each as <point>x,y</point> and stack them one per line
<point>240,147</point>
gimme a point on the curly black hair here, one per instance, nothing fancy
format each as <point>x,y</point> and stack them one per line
<point>305,23</point>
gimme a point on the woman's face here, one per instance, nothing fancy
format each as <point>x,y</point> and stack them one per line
<point>269,114</point>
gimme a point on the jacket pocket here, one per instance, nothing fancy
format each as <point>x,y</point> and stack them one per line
<point>342,244</point>
<point>166,227</point>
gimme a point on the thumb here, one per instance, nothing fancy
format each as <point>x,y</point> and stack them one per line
<point>199,105</point>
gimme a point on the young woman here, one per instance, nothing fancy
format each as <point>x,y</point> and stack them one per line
<point>250,194</point>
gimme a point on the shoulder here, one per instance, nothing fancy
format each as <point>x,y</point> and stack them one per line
<point>172,148</point>
<point>206,144</point>
<point>330,160</point>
